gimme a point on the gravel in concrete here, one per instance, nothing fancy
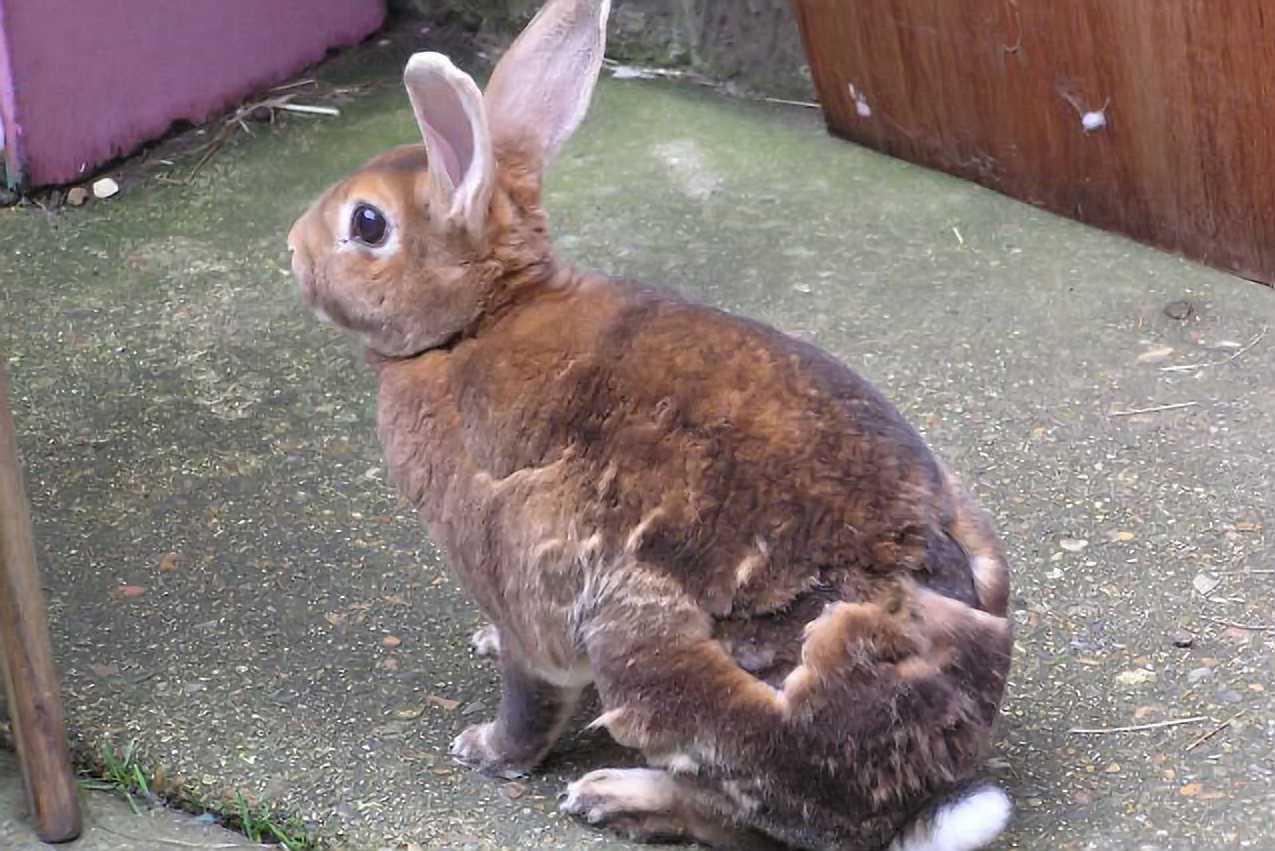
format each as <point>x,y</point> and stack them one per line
<point>234,584</point>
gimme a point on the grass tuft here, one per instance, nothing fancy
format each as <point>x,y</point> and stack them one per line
<point>122,773</point>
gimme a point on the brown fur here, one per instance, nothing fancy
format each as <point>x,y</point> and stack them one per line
<point>759,563</point>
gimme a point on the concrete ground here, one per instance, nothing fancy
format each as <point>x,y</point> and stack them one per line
<point>109,823</point>
<point>234,584</point>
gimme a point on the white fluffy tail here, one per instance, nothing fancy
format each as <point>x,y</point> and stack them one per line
<point>967,821</point>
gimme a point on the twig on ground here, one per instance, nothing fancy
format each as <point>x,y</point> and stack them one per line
<point>293,85</point>
<point>806,103</point>
<point>213,147</point>
<point>237,120</point>
<point>1153,410</point>
<point>1210,734</point>
<point>1252,627</point>
<point>308,109</point>
<point>1187,367</point>
<point>1137,728</point>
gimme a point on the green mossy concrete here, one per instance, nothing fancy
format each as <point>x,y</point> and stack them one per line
<point>172,396</point>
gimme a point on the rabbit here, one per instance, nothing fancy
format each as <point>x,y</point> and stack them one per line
<point>785,601</point>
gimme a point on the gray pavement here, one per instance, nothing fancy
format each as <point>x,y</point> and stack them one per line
<point>303,641</point>
<point>109,823</point>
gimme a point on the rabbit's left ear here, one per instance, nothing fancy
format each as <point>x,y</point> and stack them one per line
<point>453,123</point>
<point>540,90</point>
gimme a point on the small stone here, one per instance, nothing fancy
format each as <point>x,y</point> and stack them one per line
<point>1196,675</point>
<point>1235,635</point>
<point>391,641</point>
<point>104,188</point>
<point>409,713</point>
<point>1073,545</point>
<point>77,196</point>
<point>1227,695</point>
<point>444,703</point>
<point>1135,677</point>
<point>1182,639</point>
<point>1114,768</point>
<point>473,708</point>
<point>261,114</point>
<point>128,592</point>
<point>1205,583</point>
<point>168,562</point>
<point>1155,355</point>
<point>1191,790</point>
<point>513,791</point>
<point>1179,310</point>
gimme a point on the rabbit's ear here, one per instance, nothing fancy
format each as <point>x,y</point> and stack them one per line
<point>540,90</point>
<point>449,110</point>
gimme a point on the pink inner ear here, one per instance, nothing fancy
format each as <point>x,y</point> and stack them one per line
<point>449,135</point>
<point>443,156</point>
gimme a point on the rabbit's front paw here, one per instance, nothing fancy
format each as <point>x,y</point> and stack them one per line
<point>635,802</point>
<point>486,642</point>
<point>477,748</point>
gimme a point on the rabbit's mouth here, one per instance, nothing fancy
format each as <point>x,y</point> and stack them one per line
<point>326,310</point>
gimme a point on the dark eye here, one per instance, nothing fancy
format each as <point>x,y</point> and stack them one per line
<point>368,225</point>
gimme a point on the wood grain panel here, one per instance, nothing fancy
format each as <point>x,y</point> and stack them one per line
<point>995,91</point>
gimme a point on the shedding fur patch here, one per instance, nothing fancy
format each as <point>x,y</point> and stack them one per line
<point>634,540</point>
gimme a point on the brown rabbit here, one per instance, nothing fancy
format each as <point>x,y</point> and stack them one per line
<point>784,600</point>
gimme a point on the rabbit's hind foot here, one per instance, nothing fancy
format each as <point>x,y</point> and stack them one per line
<point>650,805</point>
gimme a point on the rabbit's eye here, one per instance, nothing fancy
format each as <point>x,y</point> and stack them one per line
<point>368,225</point>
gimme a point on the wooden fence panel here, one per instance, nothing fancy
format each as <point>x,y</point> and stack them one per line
<point>1150,118</point>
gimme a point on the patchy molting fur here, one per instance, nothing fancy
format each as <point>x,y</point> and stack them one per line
<point>617,474</point>
<point>780,594</point>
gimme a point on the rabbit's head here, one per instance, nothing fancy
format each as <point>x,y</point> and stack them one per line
<point>412,250</point>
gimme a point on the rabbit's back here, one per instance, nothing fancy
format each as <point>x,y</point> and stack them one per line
<point>747,465</point>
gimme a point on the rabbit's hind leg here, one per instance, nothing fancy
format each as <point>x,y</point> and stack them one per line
<point>652,805</point>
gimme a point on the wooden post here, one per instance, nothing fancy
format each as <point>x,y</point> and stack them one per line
<point>31,682</point>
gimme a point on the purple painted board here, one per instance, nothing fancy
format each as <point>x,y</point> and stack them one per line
<point>85,81</point>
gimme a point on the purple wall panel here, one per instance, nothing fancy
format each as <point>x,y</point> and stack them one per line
<point>87,81</point>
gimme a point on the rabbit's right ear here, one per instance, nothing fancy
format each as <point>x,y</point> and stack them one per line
<point>540,90</point>
<point>453,123</point>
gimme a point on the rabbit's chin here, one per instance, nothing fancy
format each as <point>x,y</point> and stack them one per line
<point>390,340</point>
